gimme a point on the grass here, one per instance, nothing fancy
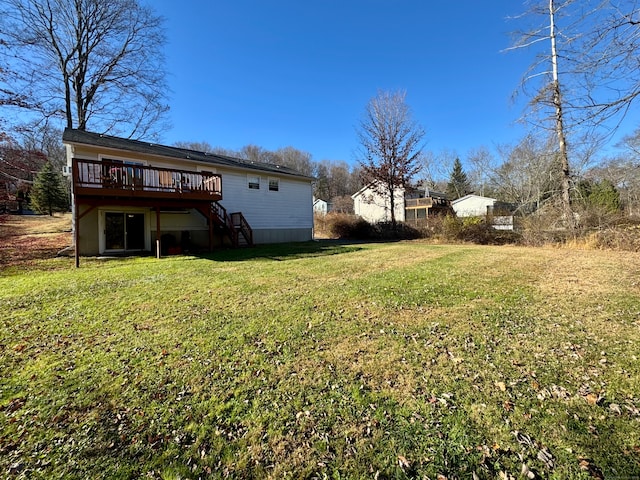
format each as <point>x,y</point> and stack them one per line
<point>24,239</point>
<point>322,360</point>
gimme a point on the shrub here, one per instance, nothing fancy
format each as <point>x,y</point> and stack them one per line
<point>342,225</point>
<point>403,231</point>
<point>618,237</point>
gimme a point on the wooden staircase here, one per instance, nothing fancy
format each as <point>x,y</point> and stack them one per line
<point>234,225</point>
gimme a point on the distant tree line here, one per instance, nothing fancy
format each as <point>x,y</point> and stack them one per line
<point>335,180</point>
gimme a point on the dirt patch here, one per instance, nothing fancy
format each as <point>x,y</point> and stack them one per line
<point>26,238</point>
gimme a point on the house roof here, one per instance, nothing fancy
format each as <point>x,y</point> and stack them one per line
<point>471,195</point>
<point>73,136</point>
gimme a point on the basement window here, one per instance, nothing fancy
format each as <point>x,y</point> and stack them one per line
<point>253,182</point>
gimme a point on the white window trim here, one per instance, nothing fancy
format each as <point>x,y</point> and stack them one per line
<point>252,179</point>
<point>273,179</point>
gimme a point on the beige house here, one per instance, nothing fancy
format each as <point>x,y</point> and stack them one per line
<point>411,204</point>
<point>131,196</point>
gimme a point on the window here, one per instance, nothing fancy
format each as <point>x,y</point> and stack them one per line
<point>274,185</point>
<point>253,182</point>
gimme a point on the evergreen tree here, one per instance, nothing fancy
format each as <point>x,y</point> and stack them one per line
<point>49,193</point>
<point>458,185</point>
<point>602,194</point>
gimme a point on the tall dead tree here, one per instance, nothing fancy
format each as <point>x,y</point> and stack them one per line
<point>94,63</point>
<point>587,74</point>
<point>559,120</point>
<point>548,88</point>
<point>391,145</point>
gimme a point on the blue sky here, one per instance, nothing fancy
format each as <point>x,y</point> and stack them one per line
<point>300,72</point>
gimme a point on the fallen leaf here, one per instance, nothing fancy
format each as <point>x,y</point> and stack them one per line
<point>501,386</point>
<point>591,398</point>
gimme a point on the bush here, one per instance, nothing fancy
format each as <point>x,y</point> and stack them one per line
<point>466,229</point>
<point>617,237</point>
<point>351,227</point>
<point>342,225</point>
<point>403,231</point>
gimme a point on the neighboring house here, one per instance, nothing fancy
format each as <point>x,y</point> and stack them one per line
<point>411,204</point>
<point>322,207</point>
<point>135,196</point>
<point>472,205</point>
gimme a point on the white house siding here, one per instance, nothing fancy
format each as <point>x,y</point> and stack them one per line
<point>374,207</point>
<point>274,217</point>
<point>320,206</point>
<point>472,205</point>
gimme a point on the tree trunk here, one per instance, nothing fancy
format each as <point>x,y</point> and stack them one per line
<point>392,204</point>
<point>560,132</point>
<point>67,102</point>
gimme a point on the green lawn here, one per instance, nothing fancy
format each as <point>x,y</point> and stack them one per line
<point>401,360</point>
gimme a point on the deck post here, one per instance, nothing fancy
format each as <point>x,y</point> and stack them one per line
<point>158,232</point>
<point>76,232</point>
<point>210,230</point>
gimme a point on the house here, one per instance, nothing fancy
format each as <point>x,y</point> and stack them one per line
<point>499,213</point>
<point>472,205</point>
<point>411,204</point>
<point>133,196</point>
<point>321,206</point>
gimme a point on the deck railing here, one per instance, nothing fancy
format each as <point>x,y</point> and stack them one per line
<point>108,177</point>
<point>418,202</point>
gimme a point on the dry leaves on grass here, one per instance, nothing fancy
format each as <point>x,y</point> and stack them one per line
<point>24,239</point>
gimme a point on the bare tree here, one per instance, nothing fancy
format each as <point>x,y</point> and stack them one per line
<point>47,139</point>
<point>549,93</point>
<point>96,63</point>
<point>391,145</point>
<point>294,158</point>
<point>481,161</point>
<point>611,49</point>
<point>333,179</point>
<point>436,168</point>
<point>529,175</point>
<point>586,76</point>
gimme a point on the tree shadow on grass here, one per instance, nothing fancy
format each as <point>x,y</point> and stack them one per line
<point>283,251</point>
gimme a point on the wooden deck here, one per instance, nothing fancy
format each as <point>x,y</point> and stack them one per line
<point>99,179</point>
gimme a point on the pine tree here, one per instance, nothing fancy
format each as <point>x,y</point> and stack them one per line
<point>602,194</point>
<point>49,193</point>
<point>458,185</point>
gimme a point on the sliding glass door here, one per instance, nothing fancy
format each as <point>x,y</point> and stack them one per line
<point>124,231</point>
